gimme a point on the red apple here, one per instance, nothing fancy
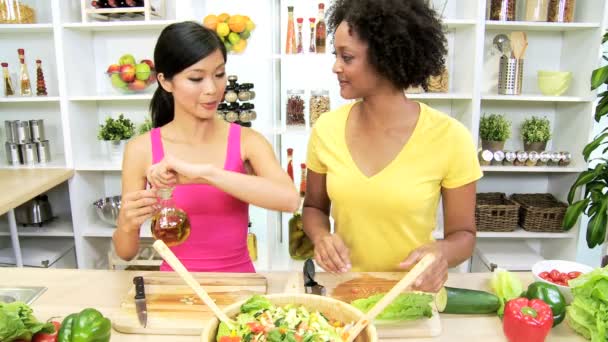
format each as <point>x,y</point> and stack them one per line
<point>127,72</point>
<point>113,68</point>
<point>149,62</point>
<point>137,85</point>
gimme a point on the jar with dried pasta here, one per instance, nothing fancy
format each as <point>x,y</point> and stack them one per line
<point>502,10</point>
<point>319,104</point>
<point>295,108</point>
<point>16,12</point>
<point>561,11</point>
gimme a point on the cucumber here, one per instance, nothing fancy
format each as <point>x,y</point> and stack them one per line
<point>464,301</point>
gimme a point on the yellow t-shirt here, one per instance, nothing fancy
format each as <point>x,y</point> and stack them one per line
<point>384,217</point>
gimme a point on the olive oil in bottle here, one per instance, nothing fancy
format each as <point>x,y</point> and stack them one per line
<point>170,224</point>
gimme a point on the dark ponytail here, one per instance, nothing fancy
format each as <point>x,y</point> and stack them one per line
<point>179,46</point>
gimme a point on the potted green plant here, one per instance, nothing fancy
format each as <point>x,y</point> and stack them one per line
<point>595,180</point>
<point>115,133</point>
<point>145,127</point>
<point>494,130</point>
<point>535,133</point>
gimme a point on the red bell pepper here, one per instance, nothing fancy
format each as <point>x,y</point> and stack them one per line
<point>527,320</point>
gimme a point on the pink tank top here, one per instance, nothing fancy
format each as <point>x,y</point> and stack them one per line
<point>218,239</point>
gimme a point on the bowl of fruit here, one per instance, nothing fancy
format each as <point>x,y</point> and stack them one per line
<point>128,76</point>
<point>558,273</point>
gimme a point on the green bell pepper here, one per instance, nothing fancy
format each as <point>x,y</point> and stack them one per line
<point>549,294</point>
<point>88,325</point>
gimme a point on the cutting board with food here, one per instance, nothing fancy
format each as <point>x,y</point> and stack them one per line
<point>349,287</point>
<point>173,307</point>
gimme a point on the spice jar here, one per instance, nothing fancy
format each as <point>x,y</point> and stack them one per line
<point>319,104</point>
<point>536,10</point>
<point>499,156</point>
<point>245,115</point>
<point>561,11</point>
<point>566,158</point>
<point>502,10</point>
<point>222,108</point>
<point>485,157</point>
<point>555,158</point>
<point>231,95</point>
<point>544,158</point>
<point>244,92</point>
<point>522,156</point>
<point>232,80</point>
<point>295,107</point>
<point>510,157</point>
<point>232,113</point>
<point>533,157</point>
<point>16,12</point>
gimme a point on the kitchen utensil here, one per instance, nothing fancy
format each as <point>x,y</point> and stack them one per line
<point>29,153</point>
<point>140,301</point>
<point>34,212</point>
<point>388,298</point>
<point>510,76</point>
<point>108,209</point>
<point>13,154</point>
<point>310,285</point>
<point>519,44</point>
<point>44,151</point>
<point>10,130</point>
<point>37,130</point>
<point>173,307</point>
<point>23,131</point>
<point>179,268</point>
<point>502,42</point>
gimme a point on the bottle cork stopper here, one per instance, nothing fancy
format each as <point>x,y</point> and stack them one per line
<point>21,51</point>
<point>312,20</point>
<point>303,165</point>
<point>4,64</point>
<point>38,61</point>
<point>321,5</point>
<point>300,20</point>
<point>290,150</point>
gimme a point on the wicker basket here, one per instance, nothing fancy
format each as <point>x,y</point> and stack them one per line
<point>540,212</point>
<point>494,212</point>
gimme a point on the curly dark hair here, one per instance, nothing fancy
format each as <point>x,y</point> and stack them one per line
<point>405,37</point>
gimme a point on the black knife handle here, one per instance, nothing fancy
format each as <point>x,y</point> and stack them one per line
<point>139,287</point>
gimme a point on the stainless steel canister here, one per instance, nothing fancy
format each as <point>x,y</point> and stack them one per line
<point>29,153</point>
<point>13,155</point>
<point>44,151</point>
<point>10,130</point>
<point>23,132</point>
<point>510,76</point>
<point>37,129</point>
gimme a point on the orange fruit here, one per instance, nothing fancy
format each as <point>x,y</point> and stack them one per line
<point>246,17</point>
<point>240,46</point>
<point>237,23</point>
<point>223,17</point>
<point>210,21</point>
<point>249,26</point>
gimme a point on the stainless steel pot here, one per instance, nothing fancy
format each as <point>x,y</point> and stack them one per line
<point>34,212</point>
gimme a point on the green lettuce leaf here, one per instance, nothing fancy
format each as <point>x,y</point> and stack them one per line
<point>222,330</point>
<point>17,322</point>
<point>506,286</point>
<point>407,306</point>
<point>588,312</point>
<point>255,303</point>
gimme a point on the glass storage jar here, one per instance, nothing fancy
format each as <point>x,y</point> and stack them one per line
<point>561,11</point>
<point>536,10</point>
<point>16,12</point>
<point>295,108</point>
<point>503,10</point>
<point>319,104</point>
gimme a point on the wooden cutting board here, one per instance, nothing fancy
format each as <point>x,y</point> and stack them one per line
<point>174,309</point>
<point>350,286</point>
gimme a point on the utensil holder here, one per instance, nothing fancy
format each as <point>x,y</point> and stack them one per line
<point>510,76</point>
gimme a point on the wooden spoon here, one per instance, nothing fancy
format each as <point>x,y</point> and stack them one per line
<point>519,43</point>
<point>388,298</point>
<point>178,267</point>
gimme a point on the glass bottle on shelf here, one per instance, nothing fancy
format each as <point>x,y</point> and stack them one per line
<point>312,35</point>
<point>25,87</point>
<point>9,90</point>
<point>290,44</point>
<point>300,48</point>
<point>561,11</point>
<point>252,243</point>
<point>295,107</point>
<point>319,104</point>
<point>503,10</point>
<point>536,10</point>
<point>170,224</point>
<point>300,245</point>
<point>40,83</point>
<point>321,30</point>
<point>290,163</point>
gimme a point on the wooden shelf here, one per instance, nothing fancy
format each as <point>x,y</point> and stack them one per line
<point>538,26</point>
<point>25,28</point>
<point>26,99</point>
<point>120,26</point>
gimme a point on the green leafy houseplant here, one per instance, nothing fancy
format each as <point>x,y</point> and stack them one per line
<point>494,130</point>
<point>116,129</point>
<point>145,127</point>
<point>595,180</point>
<point>536,130</point>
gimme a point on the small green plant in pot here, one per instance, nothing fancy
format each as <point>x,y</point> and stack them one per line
<point>145,127</point>
<point>115,133</point>
<point>535,133</point>
<point>494,130</point>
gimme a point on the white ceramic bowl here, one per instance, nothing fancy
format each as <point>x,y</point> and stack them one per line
<point>562,266</point>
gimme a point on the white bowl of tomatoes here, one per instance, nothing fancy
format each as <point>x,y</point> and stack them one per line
<point>558,273</point>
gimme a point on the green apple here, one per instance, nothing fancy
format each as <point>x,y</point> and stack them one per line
<point>245,34</point>
<point>117,82</point>
<point>233,38</point>
<point>142,71</point>
<point>228,46</point>
<point>126,59</point>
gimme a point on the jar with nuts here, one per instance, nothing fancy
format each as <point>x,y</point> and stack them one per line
<point>319,104</point>
<point>295,108</point>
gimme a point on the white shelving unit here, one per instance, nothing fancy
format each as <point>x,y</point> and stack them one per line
<point>76,53</point>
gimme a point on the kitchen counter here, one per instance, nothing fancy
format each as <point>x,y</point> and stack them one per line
<point>73,290</point>
<point>20,185</point>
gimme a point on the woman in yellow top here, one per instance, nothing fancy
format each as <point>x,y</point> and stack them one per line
<point>382,163</point>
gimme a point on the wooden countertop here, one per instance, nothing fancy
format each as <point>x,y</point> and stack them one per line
<point>73,290</point>
<point>20,185</point>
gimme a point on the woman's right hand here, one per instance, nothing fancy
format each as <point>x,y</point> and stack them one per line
<point>161,175</point>
<point>136,208</point>
<point>332,254</point>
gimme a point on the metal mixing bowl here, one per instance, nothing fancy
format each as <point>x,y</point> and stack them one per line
<point>107,209</point>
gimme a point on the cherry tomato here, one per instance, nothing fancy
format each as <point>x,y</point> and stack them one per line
<point>41,337</point>
<point>574,274</point>
<point>544,275</point>
<point>554,274</point>
<point>255,327</point>
<point>564,277</point>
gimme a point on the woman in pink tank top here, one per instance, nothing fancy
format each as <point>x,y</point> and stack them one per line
<point>204,158</point>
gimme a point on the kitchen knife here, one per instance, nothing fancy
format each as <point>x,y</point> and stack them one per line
<point>140,301</point>
<point>310,285</point>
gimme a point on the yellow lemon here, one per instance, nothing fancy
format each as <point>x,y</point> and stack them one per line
<point>222,29</point>
<point>249,26</point>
